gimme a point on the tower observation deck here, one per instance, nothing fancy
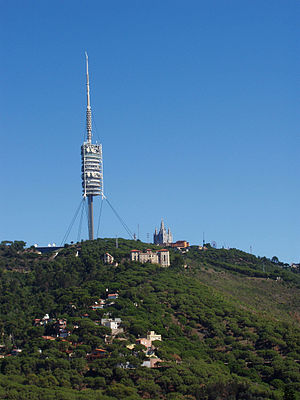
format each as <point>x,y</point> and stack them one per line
<point>91,162</point>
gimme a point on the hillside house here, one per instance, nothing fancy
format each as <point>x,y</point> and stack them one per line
<point>161,257</point>
<point>16,352</point>
<point>42,322</point>
<point>180,244</point>
<point>112,296</point>
<point>98,305</point>
<point>61,328</point>
<point>113,324</point>
<point>108,258</point>
<point>152,362</point>
<point>96,354</point>
<point>61,324</point>
<point>147,342</point>
<point>295,266</point>
<point>48,337</point>
<point>126,365</point>
<point>152,336</point>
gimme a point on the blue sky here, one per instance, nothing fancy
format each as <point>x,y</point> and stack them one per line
<point>196,104</point>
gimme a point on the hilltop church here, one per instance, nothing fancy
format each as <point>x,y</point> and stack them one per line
<point>163,237</point>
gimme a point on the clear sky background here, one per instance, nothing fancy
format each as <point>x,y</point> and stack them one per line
<point>195,103</point>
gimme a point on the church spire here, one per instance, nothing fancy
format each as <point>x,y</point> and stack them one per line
<point>164,236</point>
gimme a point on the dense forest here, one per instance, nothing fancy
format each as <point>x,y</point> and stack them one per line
<point>229,324</point>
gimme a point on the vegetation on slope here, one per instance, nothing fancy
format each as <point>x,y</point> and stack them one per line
<point>271,288</point>
<point>215,344</point>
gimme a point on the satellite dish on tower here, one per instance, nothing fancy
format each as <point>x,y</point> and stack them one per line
<point>214,244</point>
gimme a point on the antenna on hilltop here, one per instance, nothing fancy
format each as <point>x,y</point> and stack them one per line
<point>92,174</point>
<point>91,158</point>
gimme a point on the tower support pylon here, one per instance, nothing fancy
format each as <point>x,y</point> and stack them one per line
<point>90,218</point>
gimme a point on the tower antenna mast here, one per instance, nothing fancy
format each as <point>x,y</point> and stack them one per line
<point>91,158</point>
<point>88,101</point>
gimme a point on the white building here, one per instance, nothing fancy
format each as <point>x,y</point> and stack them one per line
<point>151,363</point>
<point>153,336</point>
<point>161,257</point>
<point>111,323</point>
<point>108,258</point>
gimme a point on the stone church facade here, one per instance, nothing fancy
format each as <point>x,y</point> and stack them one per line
<point>163,237</point>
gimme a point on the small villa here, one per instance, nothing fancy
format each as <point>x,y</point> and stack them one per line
<point>98,305</point>
<point>151,337</point>
<point>113,324</point>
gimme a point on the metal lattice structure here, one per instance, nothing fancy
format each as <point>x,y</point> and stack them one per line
<point>91,159</point>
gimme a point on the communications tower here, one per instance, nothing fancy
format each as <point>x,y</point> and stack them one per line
<point>91,162</point>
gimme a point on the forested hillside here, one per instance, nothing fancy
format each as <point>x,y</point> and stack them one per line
<point>229,325</point>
